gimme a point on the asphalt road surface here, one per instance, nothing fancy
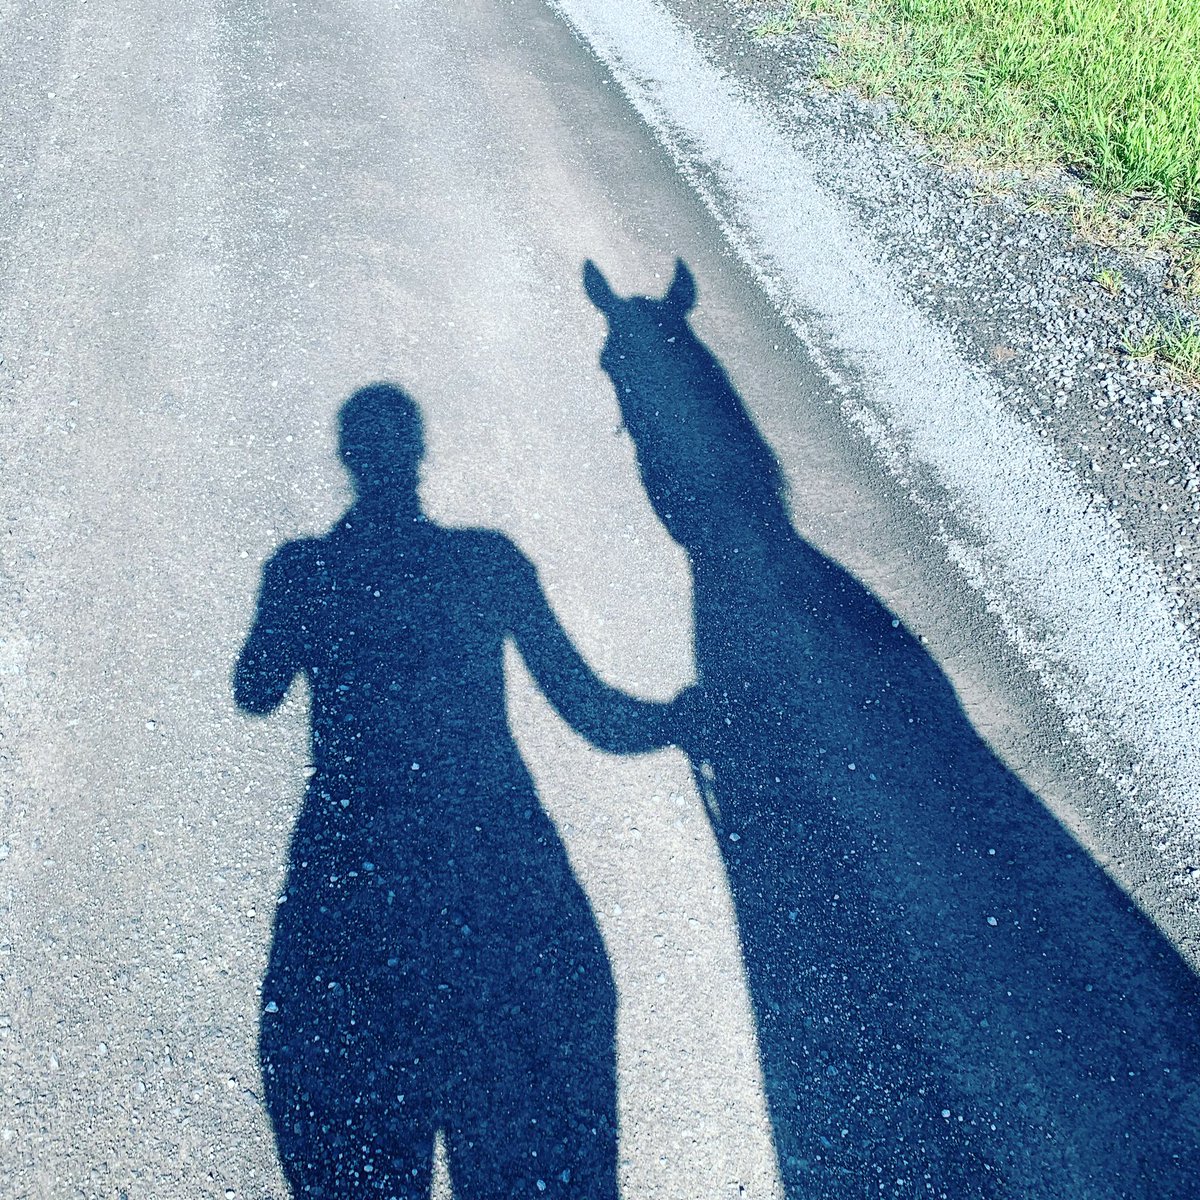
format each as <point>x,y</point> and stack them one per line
<point>475,715</point>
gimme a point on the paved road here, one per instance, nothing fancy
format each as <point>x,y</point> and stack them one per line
<point>491,875</point>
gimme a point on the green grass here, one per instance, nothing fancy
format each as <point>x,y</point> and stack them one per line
<point>1112,281</point>
<point>1178,346</point>
<point>1108,86</point>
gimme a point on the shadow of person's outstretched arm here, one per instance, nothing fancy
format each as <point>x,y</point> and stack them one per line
<point>607,717</point>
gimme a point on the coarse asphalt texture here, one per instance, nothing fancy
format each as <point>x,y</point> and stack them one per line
<point>517,675</point>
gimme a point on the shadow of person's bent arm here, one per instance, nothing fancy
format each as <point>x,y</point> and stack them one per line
<point>271,655</point>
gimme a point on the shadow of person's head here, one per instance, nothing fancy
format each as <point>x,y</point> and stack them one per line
<point>381,441</point>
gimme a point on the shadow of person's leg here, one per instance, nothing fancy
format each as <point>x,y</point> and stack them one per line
<point>535,1094</point>
<point>346,1062</point>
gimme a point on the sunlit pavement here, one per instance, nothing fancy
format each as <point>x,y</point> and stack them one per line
<point>849,954</point>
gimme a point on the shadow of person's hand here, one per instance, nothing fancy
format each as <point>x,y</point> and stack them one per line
<point>689,723</point>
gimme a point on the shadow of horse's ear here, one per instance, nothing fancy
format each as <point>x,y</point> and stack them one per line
<point>681,295</point>
<point>598,291</point>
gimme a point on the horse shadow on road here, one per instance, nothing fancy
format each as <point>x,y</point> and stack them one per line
<point>436,968</point>
<point>952,999</point>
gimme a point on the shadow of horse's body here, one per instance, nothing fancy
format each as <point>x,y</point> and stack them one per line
<point>951,998</point>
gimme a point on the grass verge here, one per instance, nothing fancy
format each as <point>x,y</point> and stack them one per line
<point>1110,88</point>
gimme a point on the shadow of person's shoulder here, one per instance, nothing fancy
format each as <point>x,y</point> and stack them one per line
<point>488,551</point>
<point>298,552</point>
<point>299,559</point>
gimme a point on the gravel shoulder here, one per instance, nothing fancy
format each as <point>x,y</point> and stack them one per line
<point>970,345</point>
<point>1014,288</point>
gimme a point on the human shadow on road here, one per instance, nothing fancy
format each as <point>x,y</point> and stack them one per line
<point>435,966</point>
<point>951,998</point>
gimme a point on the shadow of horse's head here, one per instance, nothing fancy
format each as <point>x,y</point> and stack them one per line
<point>701,457</point>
